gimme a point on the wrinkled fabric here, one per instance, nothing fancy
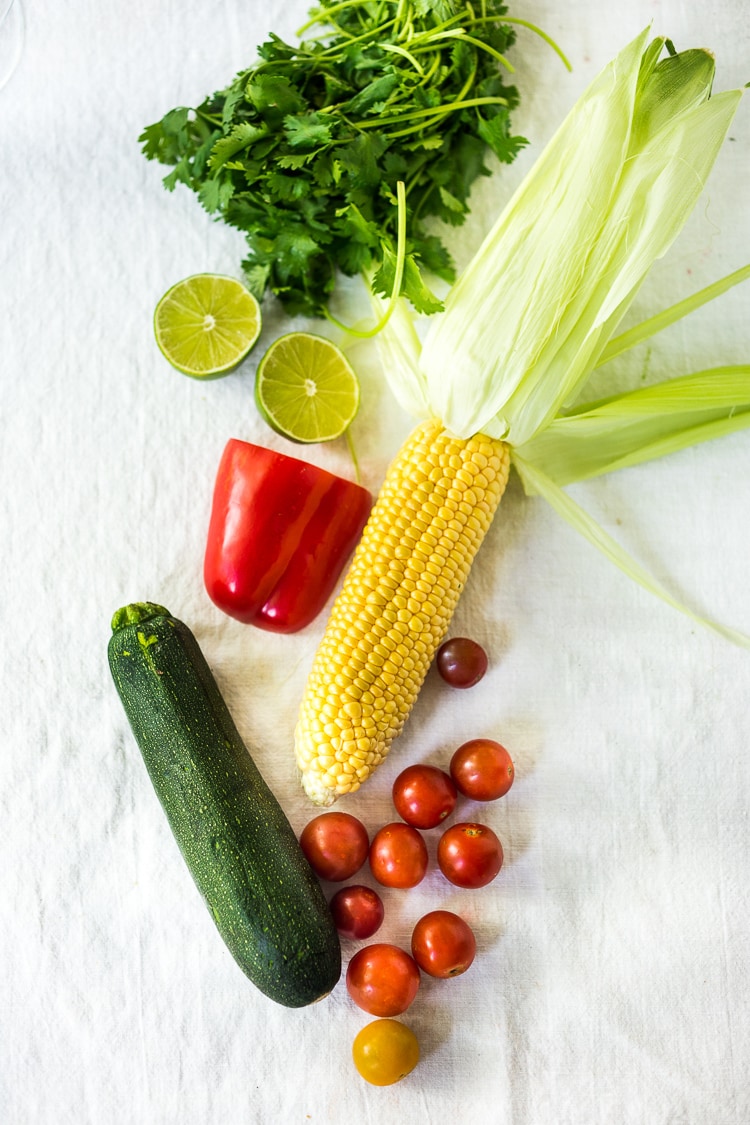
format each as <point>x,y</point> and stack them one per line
<point>611,979</point>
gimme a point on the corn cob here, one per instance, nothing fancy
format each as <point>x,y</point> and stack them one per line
<point>523,329</point>
<point>406,576</point>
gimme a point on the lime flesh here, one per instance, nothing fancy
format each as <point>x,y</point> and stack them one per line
<point>206,324</point>
<point>306,389</point>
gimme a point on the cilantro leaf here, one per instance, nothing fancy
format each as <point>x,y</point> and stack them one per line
<point>179,174</point>
<point>165,141</point>
<point>241,136</point>
<point>375,93</point>
<point>256,277</point>
<point>413,285</point>
<point>274,96</point>
<point>295,160</point>
<point>275,49</point>
<point>286,188</point>
<point>233,99</point>
<point>302,151</point>
<point>308,131</point>
<point>450,201</point>
<point>215,194</point>
<point>294,249</point>
<point>441,9</point>
<point>360,241</point>
<point>360,160</point>
<point>430,251</point>
<point>202,156</point>
<point>495,132</point>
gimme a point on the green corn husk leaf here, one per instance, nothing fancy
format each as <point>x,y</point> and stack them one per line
<point>642,425</point>
<point>536,482</point>
<point>666,317</point>
<point>529,318</point>
<point>399,349</point>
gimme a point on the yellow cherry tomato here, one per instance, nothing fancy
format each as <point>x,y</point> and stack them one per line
<point>385,1051</point>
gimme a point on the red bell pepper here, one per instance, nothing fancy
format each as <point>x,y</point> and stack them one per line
<point>279,535</point>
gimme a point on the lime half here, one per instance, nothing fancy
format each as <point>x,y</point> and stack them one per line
<point>206,325</point>
<point>306,389</point>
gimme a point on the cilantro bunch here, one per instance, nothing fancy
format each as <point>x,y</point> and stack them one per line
<point>302,152</point>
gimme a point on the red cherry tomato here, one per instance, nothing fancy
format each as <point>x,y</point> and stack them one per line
<point>424,796</point>
<point>461,662</point>
<point>335,844</point>
<point>443,944</point>
<point>469,855</point>
<point>482,769</point>
<point>357,911</point>
<point>382,979</point>
<point>398,856</point>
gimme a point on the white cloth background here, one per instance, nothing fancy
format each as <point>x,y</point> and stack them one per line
<point>611,983</point>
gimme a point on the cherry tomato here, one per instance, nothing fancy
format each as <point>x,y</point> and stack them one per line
<point>335,844</point>
<point>482,769</point>
<point>382,979</point>
<point>461,662</point>
<point>398,855</point>
<point>357,911</point>
<point>385,1051</point>
<point>424,795</point>
<point>469,855</point>
<point>443,944</point>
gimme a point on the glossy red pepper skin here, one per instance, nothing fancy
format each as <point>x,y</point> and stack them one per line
<point>279,535</point>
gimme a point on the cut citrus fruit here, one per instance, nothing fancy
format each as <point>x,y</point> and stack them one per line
<point>306,389</point>
<point>206,324</point>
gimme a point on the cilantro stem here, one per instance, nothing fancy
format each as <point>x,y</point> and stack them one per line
<point>403,16</point>
<point>536,30</point>
<point>395,49</point>
<point>433,111</point>
<point>321,15</point>
<point>210,117</point>
<point>470,78</point>
<point>416,175</point>
<point>352,453</point>
<point>429,75</point>
<point>335,53</point>
<point>367,333</point>
<point>438,32</point>
<point>460,33</point>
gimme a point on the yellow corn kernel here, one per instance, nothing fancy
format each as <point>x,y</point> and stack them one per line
<point>394,608</point>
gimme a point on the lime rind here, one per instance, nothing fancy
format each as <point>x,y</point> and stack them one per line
<point>305,388</point>
<point>206,324</point>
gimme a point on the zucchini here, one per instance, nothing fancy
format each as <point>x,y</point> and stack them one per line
<point>234,836</point>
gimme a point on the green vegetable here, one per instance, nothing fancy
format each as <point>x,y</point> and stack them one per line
<point>303,150</point>
<point>237,842</point>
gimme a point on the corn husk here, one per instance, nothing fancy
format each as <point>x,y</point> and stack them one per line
<point>538,307</point>
<point>527,321</point>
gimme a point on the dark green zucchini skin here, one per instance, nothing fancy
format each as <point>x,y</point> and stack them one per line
<point>234,836</point>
